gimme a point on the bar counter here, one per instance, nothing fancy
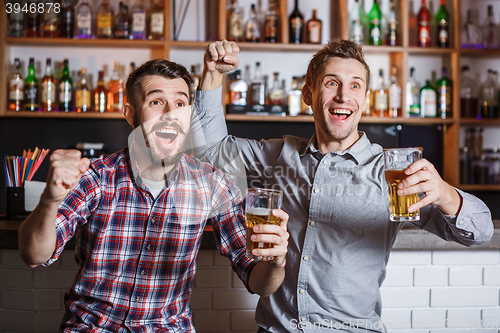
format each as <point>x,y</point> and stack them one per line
<point>409,238</point>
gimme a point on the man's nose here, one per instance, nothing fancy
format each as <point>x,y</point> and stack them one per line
<point>342,94</point>
<point>169,112</point>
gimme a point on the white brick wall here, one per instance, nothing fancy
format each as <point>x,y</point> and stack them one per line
<point>424,292</point>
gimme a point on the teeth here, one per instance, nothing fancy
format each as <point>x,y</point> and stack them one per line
<point>167,131</point>
<point>342,111</point>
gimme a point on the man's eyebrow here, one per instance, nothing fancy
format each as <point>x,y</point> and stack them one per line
<point>335,75</point>
<point>159,91</point>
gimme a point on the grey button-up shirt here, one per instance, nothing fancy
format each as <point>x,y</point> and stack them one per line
<point>340,232</point>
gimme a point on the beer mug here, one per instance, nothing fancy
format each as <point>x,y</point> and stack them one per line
<point>258,210</point>
<point>396,160</point>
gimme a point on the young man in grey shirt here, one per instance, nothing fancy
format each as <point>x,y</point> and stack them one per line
<point>335,193</point>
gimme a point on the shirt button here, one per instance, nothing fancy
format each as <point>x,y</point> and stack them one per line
<point>306,258</point>
<point>460,222</point>
<point>131,322</point>
<point>303,318</point>
<point>325,162</point>
<point>312,223</point>
<point>148,247</point>
<point>153,220</point>
<point>143,272</point>
<point>301,291</point>
<point>316,190</point>
<point>137,299</point>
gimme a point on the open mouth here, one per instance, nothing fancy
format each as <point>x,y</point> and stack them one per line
<point>167,135</point>
<point>341,114</point>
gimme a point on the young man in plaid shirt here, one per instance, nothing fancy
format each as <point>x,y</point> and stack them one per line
<point>138,216</point>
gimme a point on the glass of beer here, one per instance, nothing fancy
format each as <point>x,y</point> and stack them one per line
<point>259,205</point>
<point>396,160</point>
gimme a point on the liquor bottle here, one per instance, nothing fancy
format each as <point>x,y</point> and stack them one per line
<point>295,98</point>
<point>105,16</point>
<point>412,25</point>
<point>33,20</point>
<point>375,19</point>
<point>84,21</point>
<point>82,93</point>
<point>356,26</point>
<point>67,19</point>
<point>489,95</point>
<point>272,23</point>
<point>258,87</point>
<point>138,21</point>
<point>252,28</point>
<point>277,95</point>
<point>66,89</point>
<point>235,21</point>
<point>469,101</point>
<point>238,89</point>
<point>381,98</point>
<point>412,94</point>
<point>471,34</point>
<point>49,86</point>
<point>365,21</point>
<point>424,28</point>
<point>314,27</point>
<point>156,21</point>
<point>394,94</point>
<point>100,95</point>
<point>121,22</point>
<point>490,30</point>
<point>16,21</point>
<point>116,89</point>
<point>16,88</point>
<point>443,24</point>
<point>196,82</point>
<point>31,89</point>
<point>296,25</point>
<point>51,23</point>
<point>392,26</point>
<point>428,101</point>
<point>444,88</point>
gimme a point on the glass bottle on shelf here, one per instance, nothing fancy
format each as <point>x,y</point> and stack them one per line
<point>381,98</point>
<point>412,25</point>
<point>296,25</point>
<point>252,28</point>
<point>121,22</point>
<point>471,34</point>
<point>489,95</point>
<point>272,23</point>
<point>31,89</point>
<point>469,101</point>
<point>16,20</point>
<point>138,21</point>
<point>238,89</point>
<point>356,26</point>
<point>82,93</point>
<point>156,21</point>
<point>196,82</point>
<point>375,19</point>
<point>116,89</point>
<point>234,21</point>
<point>258,87</point>
<point>295,98</point>
<point>100,95</point>
<point>394,94</point>
<point>432,22</point>
<point>49,85</point>
<point>51,22</point>
<point>33,19</point>
<point>428,101</point>
<point>490,30</point>
<point>412,94</point>
<point>84,21</point>
<point>66,89</point>
<point>392,26</point>
<point>277,95</point>
<point>67,19</point>
<point>105,16</point>
<point>314,27</point>
<point>16,88</point>
<point>445,95</point>
<point>424,27</point>
<point>443,24</point>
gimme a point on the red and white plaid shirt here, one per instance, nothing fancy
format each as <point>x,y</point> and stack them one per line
<point>136,255</point>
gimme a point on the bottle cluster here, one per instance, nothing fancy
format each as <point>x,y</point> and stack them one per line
<point>254,96</point>
<point>433,99</point>
<point>35,19</point>
<point>260,27</point>
<point>479,100</point>
<point>480,36</point>
<point>385,101</point>
<point>376,28</point>
<point>478,165</point>
<point>51,95</point>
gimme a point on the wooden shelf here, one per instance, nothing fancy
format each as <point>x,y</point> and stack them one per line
<point>45,42</point>
<point>480,53</point>
<point>86,115</point>
<point>430,50</point>
<point>480,122</point>
<point>272,47</point>
<point>244,117</point>
<point>478,187</point>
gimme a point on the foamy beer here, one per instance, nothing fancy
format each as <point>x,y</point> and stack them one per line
<point>396,160</point>
<point>259,205</point>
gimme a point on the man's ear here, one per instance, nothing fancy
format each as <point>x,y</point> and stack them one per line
<point>307,94</point>
<point>129,113</point>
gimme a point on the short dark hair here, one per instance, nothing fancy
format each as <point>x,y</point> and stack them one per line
<point>161,67</point>
<point>336,48</point>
